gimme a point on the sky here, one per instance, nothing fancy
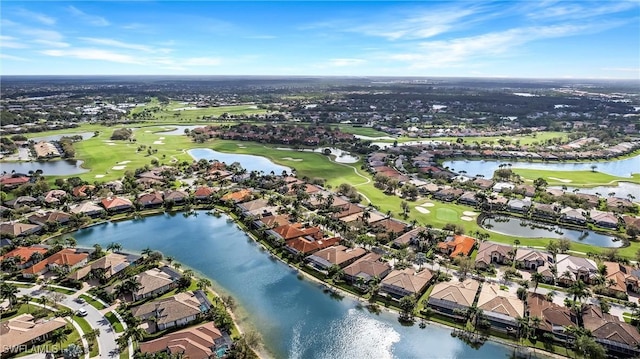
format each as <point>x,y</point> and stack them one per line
<point>523,39</point>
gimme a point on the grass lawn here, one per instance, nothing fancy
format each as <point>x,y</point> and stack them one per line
<point>362,131</point>
<point>61,290</point>
<point>172,113</point>
<point>575,178</point>
<point>92,301</point>
<point>115,323</point>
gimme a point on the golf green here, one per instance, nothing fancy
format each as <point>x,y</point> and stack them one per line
<point>447,214</point>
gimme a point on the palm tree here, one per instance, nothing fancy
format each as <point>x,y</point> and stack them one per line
<point>204,283</point>
<point>26,299</point>
<point>9,291</point>
<point>135,333</point>
<point>536,278</point>
<point>114,247</point>
<point>59,336</point>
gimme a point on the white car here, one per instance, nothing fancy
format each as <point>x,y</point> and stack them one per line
<point>81,312</point>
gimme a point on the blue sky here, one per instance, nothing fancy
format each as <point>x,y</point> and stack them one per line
<point>537,38</point>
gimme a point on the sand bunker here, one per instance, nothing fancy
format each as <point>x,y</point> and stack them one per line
<point>123,162</point>
<point>469,213</point>
<point>147,131</point>
<point>422,210</point>
<point>465,218</point>
<point>110,144</point>
<point>161,138</point>
<point>292,159</point>
<point>563,180</point>
<point>118,168</point>
<point>428,204</point>
<point>99,176</point>
<point>158,143</point>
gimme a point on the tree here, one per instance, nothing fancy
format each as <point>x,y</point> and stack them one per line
<point>114,247</point>
<point>26,299</point>
<point>204,283</point>
<point>536,278</point>
<point>59,336</point>
<point>407,304</point>
<point>134,333</point>
<point>73,351</point>
<point>8,291</point>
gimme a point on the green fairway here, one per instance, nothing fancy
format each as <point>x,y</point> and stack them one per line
<point>362,131</point>
<point>447,214</point>
<point>176,111</point>
<point>575,178</point>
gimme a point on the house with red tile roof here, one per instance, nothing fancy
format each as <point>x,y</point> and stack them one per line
<point>116,204</point>
<point>290,231</point>
<point>400,283</point>
<point>24,253</point>
<point>303,245</point>
<point>238,196</point>
<point>200,341</point>
<point>150,200</point>
<point>13,182</point>
<point>459,245</point>
<point>337,255</point>
<point>68,258</point>
<point>83,190</point>
<point>203,194</point>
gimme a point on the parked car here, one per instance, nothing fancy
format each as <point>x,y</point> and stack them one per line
<point>80,300</point>
<point>81,312</point>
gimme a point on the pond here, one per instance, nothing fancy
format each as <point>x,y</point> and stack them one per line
<point>49,168</point>
<point>340,156</point>
<point>294,316</point>
<point>524,228</point>
<point>176,130</point>
<point>620,168</point>
<point>248,162</point>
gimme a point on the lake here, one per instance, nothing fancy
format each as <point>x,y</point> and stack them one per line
<point>49,168</point>
<point>620,168</point>
<point>622,190</point>
<point>340,156</point>
<point>248,162</point>
<point>85,135</point>
<point>511,226</point>
<point>295,317</point>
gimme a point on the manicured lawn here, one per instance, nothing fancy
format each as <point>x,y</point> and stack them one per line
<point>539,137</point>
<point>92,301</point>
<point>171,112</point>
<point>362,131</point>
<point>61,290</point>
<point>575,178</point>
<point>115,323</point>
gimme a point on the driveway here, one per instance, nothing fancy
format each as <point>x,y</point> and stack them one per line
<point>107,345</point>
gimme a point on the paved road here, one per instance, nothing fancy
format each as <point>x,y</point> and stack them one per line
<point>107,339</point>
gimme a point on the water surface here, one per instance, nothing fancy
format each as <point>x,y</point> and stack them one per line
<point>49,168</point>
<point>512,226</point>
<point>296,318</point>
<point>248,162</point>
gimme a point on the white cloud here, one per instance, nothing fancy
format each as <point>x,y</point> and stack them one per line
<point>39,34</point>
<point>41,18</point>
<point>94,20</point>
<point>573,11</point>
<point>10,42</point>
<point>201,61</point>
<point>346,62</point>
<point>51,43</point>
<point>116,43</point>
<point>93,54</point>
<point>13,58</point>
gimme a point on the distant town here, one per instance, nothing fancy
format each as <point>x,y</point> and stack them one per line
<point>507,211</point>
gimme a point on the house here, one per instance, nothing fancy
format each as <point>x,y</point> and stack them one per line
<point>201,341</point>
<point>19,229</point>
<point>21,201</point>
<point>571,269</point>
<point>53,217</point>
<point>572,215</point>
<point>89,208</point>
<point>254,207</point>
<point>400,283</point>
<point>273,221</point>
<point>24,330</point>
<point>67,259</point>
<point>348,210</point>
<point>150,200</point>
<point>468,198</point>
<point>619,338</point>
<point>409,238</point>
<point>544,210</point>
<point>501,308</point>
<point>448,194</point>
<point>203,194</point>
<point>117,204</point>
<point>238,196</point>
<point>620,278</point>
<point>502,186</point>
<point>618,204</point>
<point>177,196</point>
<point>177,310</point>
<point>490,252</point>
<point>604,219</point>
<point>391,225</point>
<point>446,297</point>
<point>483,184</point>
<point>54,196</point>
<point>304,245</point>
<point>82,191</point>
<point>9,183</point>
<point>591,200</point>
<point>295,230</point>
<point>109,265</point>
<point>155,281</point>
<point>553,318</point>
<point>525,190</point>
<point>23,255</point>
<point>531,259</point>
<point>519,205</point>
<point>367,268</point>
<point>338,255</point>
<point>458,245</point>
